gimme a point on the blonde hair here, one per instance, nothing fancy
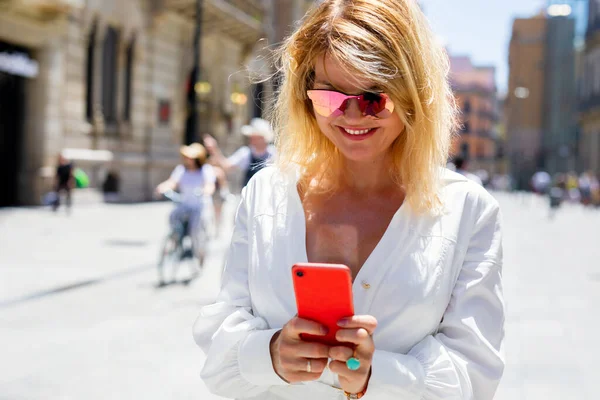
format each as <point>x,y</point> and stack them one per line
<point>389,43</point>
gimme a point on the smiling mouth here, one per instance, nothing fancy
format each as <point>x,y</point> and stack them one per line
<point>357,132</point>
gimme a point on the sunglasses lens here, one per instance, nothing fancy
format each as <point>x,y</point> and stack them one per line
<point>326,103</point>
<point>372,103</point>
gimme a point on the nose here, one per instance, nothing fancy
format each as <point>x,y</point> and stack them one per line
<point>352,111</point>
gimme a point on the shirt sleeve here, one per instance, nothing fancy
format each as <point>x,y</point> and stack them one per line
<point>209,173</point>
<point>241,158</point>
<point>177,173</point>
<point>236,343</point>
<point>464,359</point>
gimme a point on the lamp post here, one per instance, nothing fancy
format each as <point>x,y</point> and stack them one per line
<point>191,127</point>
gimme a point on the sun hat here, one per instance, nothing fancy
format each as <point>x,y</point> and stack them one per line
<point>258,127</point>
<point>194,151</point>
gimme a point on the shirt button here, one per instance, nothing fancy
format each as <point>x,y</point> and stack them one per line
<point>366,285</point>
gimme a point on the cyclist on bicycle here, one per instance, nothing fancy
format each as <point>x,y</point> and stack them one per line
<point>194,179</point>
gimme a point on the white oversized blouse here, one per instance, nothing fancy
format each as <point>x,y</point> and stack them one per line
<point>432,282</point>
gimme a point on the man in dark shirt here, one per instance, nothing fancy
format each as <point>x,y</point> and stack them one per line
<point>249,159</point>
<point>64,181</point>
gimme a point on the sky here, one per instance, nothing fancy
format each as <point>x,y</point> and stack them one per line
<point>479,28</point>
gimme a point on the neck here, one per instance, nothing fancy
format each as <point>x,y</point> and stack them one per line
<point>366,176</point>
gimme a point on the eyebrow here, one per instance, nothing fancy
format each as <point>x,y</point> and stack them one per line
<point>329,84</point>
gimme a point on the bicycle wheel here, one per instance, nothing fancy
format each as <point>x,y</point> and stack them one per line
<point>200,240</point>
<point>169,259</point>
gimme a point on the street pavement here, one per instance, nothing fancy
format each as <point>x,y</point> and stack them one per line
<point>81,316</point>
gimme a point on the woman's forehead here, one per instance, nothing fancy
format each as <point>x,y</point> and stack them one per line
<point>329,71</point>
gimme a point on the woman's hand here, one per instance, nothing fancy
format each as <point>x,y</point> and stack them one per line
<point>357,330</point>
<point>210,144</point>
<point>295,360</point>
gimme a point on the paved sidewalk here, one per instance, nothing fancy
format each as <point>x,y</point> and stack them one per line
<point>80,317</point>
<point>552,289</point>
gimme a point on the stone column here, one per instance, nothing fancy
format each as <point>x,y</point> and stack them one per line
<point>44,136</point>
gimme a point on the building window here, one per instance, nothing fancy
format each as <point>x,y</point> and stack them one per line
<point>129,59</point>
<point>89,74</point>
<point>465,150</point>
<point>109,75</point>
<point>466,128</point>
<point>466,107</point>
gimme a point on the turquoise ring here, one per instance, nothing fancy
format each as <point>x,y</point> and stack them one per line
<point>353,364</point>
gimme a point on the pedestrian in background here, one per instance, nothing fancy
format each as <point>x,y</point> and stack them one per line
<point>557,193</point>
<point>541,182</point>
<point>64,182</point>
<point>364,117</point>
<point>594,190</point>
<point>251,158</point>
<point>461,165</point>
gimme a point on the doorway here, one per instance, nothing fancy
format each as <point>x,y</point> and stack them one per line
<point>12,112</point>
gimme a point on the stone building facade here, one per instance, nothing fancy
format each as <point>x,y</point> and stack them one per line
<point>105,82</point>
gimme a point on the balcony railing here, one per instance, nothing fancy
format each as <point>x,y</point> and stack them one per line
<point>489,115</point>
<point>241,19</point>
<point>460,87</point>
<point>41,9</point>
<point>252,8</point>
<point>488,134</point>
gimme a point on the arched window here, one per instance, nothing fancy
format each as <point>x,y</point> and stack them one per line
<point>109,75</point>
<point>129,60</point>
<point>89,74</point>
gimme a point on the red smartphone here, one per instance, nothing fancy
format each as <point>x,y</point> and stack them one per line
<point>323,294</point>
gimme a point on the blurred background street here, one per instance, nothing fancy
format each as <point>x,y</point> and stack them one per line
<point>81,315</point>
<point>82,318</point>
<point>114,88</point>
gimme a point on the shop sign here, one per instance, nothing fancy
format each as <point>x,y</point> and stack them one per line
<point>18,64</point>
<point>164,112</point>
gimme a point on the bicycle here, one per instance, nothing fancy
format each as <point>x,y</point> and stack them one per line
<point>180,244</point>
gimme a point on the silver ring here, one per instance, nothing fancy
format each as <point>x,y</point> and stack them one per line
<point>308,367</point>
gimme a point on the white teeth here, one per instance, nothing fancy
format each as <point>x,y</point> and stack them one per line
<point>354,132</point>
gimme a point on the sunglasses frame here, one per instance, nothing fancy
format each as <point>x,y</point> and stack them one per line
<point>389,104</point>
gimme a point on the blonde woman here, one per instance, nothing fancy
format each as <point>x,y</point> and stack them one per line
<point>364,121</point>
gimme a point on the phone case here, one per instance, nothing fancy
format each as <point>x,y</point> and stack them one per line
<point>323,294</point>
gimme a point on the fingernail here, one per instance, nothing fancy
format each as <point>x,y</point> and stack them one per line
<point>343,322</point>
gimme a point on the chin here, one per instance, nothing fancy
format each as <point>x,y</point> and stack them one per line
<point>359,155</point>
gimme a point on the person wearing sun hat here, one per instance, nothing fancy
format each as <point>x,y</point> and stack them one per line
<point>251,158</point>
<point>194,179</point>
